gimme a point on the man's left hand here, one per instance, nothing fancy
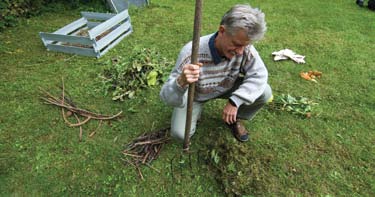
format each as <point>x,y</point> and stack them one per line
<point>230,113</point>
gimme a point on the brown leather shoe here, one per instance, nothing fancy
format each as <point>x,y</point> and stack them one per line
<point>239,131</point>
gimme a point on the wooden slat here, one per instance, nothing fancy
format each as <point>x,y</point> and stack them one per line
<point>66,38</point>
<point>118,5</point>
<point>83,32</point>
<point>113,35</point>
<point>91,25</point>
<point>71,27</point>
<point>74,50</point>
<point>45,42</point>
<point>137,3</point>
<point>97,15</point>
<point>115,43</point>
<point>109,24</point>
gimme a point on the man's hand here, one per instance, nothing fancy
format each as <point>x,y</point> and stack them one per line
<point>230,113</point>
<point>190,74</point>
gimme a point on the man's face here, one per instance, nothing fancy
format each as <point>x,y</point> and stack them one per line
<point>230,45</point>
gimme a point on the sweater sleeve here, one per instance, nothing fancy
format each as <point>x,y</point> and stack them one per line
<point>172,93</point>
<point>255,80</point>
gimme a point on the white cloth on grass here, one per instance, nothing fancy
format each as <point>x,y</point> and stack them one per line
<point>288,54</point>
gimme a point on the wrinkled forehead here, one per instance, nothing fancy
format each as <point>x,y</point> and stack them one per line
<point>233,31</point>
<point>239,37</point>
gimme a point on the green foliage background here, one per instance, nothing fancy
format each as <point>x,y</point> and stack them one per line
<point>12,10</point>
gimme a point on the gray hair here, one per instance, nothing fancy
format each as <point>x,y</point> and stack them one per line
<point>247,18</point>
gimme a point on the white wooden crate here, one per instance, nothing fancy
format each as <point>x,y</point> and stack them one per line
<point>92,35</point>
<point>120,5</point>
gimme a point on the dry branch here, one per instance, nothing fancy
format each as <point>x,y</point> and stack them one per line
<point>66,103</point>
<point>145,148</point>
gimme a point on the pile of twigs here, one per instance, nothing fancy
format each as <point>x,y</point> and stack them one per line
<point>66,103</point>
<point>145,148</point>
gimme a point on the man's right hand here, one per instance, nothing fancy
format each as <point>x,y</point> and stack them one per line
<point>190,74</point>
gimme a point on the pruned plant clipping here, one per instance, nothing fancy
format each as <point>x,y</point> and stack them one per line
<point>296,105</point>
<point>68,109</point>
<point>145,148</point>
<point>123,77</point>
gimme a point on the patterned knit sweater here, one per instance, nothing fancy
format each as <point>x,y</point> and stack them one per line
<point>217,75</point>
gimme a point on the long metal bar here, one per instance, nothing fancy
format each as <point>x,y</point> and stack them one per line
<point>194,60</point>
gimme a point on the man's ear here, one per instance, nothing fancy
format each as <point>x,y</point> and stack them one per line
<point>221,29</point>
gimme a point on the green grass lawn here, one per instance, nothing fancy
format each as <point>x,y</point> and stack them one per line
<point>330,154</point>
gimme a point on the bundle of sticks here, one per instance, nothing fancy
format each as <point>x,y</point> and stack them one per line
<point>66,103</point>
<point>145,148</point>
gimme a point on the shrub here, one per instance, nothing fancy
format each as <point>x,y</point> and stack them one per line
<point>12,10</point>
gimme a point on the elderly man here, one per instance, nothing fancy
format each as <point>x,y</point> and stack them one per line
<point>229,68</point>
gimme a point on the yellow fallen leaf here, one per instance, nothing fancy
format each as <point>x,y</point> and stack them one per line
<point>305,76</point>
<point>311,75</point>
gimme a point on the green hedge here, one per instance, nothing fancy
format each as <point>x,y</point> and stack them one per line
<point>12,10</point>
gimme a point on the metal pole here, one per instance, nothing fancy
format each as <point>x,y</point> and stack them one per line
<point>194,60</point>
